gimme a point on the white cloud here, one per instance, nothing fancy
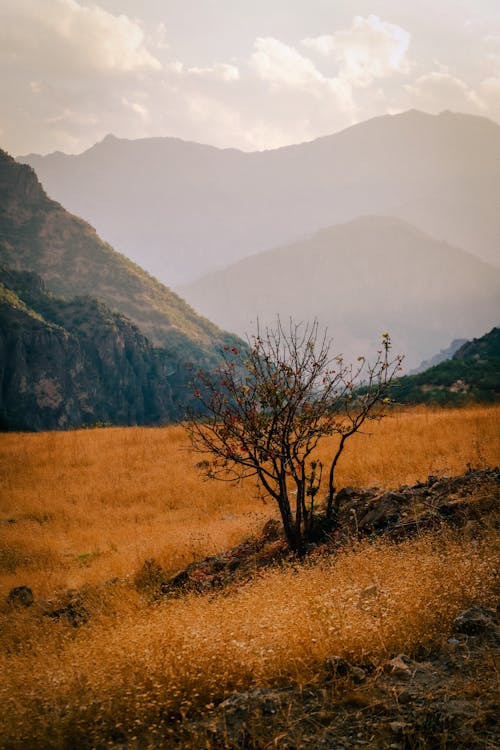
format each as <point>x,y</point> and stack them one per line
<point>158,37</point>
<point>441,90</point>
<point>70,117</point>
<point>491,86</point>
<point>219,71</point>
<point>74,71</point>
<point>290,73</point>
<point>369,49</point>
<point>281,64</point>
<point>136,107</point>
<point>66,38</point>
<point>489,90</point>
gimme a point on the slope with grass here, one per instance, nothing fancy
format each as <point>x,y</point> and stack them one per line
<point>299,655</point>
<point>471,374</point>
<point>37,234</point>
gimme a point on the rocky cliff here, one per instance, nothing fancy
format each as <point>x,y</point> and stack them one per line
<point>70,363</point>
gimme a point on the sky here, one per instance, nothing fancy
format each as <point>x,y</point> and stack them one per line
<point>234,73</point>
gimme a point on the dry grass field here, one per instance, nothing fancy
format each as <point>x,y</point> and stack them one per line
<point>83,510</point>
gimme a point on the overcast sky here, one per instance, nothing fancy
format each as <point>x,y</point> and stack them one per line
<point>251,74</point>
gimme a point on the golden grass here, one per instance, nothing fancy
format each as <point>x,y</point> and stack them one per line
<point>101,501</point>
<point>88,506</point>
<point>91,505</point>
<point>131,676</point>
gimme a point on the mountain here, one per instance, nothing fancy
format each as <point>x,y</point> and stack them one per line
<point>72,363</point>
<point>182,209</point>
<point>441,356</point>
<point>398,279</point>
<point>39,235</point>
<point>472,374</point>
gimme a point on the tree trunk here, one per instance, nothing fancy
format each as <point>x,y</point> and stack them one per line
<point>332,508</point>
<point>293,535</point>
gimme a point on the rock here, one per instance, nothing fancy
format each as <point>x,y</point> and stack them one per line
<point>474,620</point>
<point>21,596</point>
<point>56,376</point>
<point>150,579</point>
<point>456,712</point>
<point>458,643</point>
<point>398,727</point>
<point>404,697</point>
<point>357,675</point>
<point>271,530</point>
<point>347,493</point>
<point>369,591</point>
<point>398,667</point>
<point>267,700</point>
<point>382,511</point>
<point>69,607</point>
<point>178,581</point>
<point>336,666</point>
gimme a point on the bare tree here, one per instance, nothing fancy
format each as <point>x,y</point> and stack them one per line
<point>265,409</point>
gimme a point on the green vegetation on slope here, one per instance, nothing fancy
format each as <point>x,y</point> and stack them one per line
<point>39,235</point>
<point>472,374</point>
<point>71,363</point>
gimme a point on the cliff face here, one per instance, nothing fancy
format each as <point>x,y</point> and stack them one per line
<point>73,363</point>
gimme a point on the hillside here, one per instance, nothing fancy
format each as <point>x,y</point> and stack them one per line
<point>438,172</point>
<point>441,356</point>
<point>73,363</point>
<point>383,637</point>
<point>37,234</point>
<point>369,275</point>
<point>471,374</point>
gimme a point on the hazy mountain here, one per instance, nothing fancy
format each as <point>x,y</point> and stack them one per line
<point>37,234</point>
<point>361,278</point>
<point>181,209</point>
<point>441,356</point>
<point>472,374</point>
<point>71,363</point>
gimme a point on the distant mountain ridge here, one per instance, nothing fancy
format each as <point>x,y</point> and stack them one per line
<point>182,209</point>
<point>86,336</point>
<point>471,374</point>
<point>369,275</point>
<point>441,356</point>
<point>39,235</point>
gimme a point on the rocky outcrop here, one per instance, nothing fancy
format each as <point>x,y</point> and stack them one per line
<point>464,501</point>
<point>75,363</point>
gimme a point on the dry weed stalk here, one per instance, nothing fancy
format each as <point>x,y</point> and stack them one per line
<point>137,673</point>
